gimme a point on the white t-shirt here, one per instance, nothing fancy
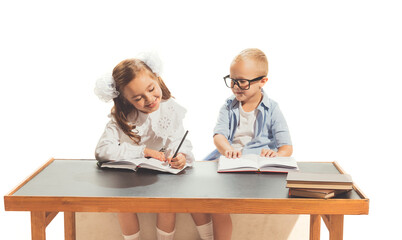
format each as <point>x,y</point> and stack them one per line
<point>245,129</point>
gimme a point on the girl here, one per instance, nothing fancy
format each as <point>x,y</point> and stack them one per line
<point>145,122</point>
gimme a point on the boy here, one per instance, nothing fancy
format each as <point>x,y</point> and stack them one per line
<point>249,122</point>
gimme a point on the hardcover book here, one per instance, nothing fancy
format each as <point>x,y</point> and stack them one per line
<point>319,181</point>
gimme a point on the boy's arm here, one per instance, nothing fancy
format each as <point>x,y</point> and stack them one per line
<point>222,144</point>
<point>281,133</point>
<point>224,147</point>
<point>285,151</point>
<point>221,134</point>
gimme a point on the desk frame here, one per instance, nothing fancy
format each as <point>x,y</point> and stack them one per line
<point>43,209</point>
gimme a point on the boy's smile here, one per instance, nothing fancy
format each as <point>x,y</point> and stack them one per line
<point>238,92</point>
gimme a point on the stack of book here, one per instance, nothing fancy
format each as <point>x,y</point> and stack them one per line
<point>318,185</point>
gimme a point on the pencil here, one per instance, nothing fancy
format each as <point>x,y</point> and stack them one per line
<point>178,148</point>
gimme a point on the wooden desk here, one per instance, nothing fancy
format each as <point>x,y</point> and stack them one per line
<point>71,186</point>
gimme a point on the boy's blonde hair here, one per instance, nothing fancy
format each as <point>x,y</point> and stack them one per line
<point>255,55</point>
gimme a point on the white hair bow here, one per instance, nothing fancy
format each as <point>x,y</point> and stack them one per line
<point>152,60</point>
<point>105,88</point>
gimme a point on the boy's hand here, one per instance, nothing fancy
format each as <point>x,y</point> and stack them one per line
<point>154,154</point>
<point>178,162</point>
<point>232,153</point>
<point>268,153</point>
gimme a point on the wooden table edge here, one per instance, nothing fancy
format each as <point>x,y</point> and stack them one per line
<point>213,205</point>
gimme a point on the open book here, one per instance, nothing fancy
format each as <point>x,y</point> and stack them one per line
<point>253,163</point>
<point>134,164</point>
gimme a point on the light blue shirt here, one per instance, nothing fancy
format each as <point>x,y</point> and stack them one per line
<point>270,128</point>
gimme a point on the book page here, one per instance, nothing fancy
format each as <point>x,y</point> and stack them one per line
<point>124,164</point>
<point>156,164</point>
<point>245,163</point>
<point>278,162</point>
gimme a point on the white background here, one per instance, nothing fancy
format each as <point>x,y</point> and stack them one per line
<point>335,70</point>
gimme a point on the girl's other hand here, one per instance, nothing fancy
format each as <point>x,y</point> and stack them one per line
<point>268,153</point>
<point>178,162</point>
<point>232,153</point>
<point>154,154</point>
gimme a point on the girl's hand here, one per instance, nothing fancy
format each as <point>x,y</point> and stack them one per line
<point>154,154</point>
<point>268,153</point>
<point>232,153</point>
<point>178,162</point>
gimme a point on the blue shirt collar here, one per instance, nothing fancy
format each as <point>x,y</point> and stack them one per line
<point>265,100</point>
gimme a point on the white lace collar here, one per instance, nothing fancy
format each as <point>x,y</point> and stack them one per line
<point>164,122</point>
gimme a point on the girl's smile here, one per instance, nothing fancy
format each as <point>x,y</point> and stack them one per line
<point>153,104</point>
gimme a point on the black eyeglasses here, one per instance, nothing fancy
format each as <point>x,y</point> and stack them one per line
<point>243,84</point>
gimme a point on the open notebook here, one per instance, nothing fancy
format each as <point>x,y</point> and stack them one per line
<point>256,163</point>
<point>134,164</point>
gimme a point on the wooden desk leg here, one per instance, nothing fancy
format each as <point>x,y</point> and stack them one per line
<point>315,226</point>
<point>335,227</point>
<point>69,225</point>
<point>38,225</point>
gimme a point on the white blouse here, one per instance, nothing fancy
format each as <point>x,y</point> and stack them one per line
<point>162,129</point>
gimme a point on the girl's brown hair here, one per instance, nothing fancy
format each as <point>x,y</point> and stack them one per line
<point>123,73</point>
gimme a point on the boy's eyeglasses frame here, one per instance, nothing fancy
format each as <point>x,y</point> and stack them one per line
<point>238,82</point>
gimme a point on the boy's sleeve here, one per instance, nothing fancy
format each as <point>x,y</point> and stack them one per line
<point>110,148</point>
<point>280,128</point>
<point>222,125</point>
